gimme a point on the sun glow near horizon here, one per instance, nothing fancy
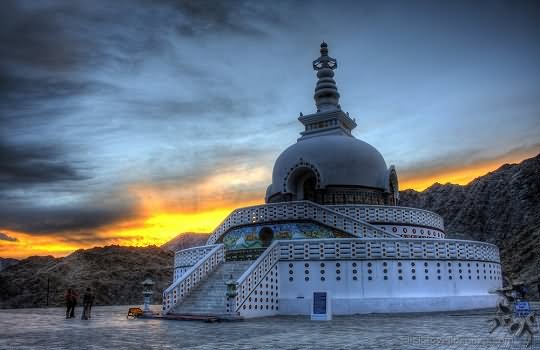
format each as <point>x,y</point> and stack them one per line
<point>163,212</point>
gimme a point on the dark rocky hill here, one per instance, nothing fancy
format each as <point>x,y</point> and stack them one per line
<point>114,273</point>
<point>5,262</point>
<point>501,207</point>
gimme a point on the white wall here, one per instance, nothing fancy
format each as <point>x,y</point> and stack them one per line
<point>386,288</point>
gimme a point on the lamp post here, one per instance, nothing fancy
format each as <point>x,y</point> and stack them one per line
<point>148,291</point>
<point>231,295</point>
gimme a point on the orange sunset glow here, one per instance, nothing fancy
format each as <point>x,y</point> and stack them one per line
<point>165,211</point>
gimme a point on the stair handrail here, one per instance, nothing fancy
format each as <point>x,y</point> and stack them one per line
<point>249,280</point>
<point>181,287</point>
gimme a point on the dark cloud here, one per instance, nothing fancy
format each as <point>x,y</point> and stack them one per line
<point>34,164</point>
<point>5,237</point>
<point>32,34</point>
<point>66,219</point>
<point>219,17</point>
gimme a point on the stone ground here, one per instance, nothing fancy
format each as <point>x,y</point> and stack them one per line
<point>44,329</point>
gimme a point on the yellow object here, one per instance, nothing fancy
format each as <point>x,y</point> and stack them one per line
<point>134,312</point>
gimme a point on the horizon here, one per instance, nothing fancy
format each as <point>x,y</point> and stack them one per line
<point>67,253</point>
<point>130,123</point>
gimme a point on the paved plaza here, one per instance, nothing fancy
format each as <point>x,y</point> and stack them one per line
<point>109,329</point>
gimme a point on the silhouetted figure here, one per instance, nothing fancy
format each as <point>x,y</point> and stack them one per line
<point>88,300</point>
<point>71,302</point>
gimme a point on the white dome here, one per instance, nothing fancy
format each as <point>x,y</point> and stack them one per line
<point>337,160</point>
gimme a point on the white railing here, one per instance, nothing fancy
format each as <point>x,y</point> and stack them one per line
<point>262,276</point>
<point>300,210</point>
<point>256,274</point>
<point>387,248</point>
<point>176,292</point>
<point>412,231</point>
<point>186,258</point>
<point>391,215</point>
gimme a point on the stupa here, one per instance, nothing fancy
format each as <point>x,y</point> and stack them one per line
<point>331,230</point>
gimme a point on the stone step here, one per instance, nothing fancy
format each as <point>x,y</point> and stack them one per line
<point>209,296</point>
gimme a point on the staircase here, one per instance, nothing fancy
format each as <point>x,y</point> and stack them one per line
<point>208,298</point>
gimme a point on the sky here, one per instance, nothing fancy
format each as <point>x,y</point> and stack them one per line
<point>129,122</point>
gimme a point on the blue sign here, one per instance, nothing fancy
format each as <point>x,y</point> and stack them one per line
<point>522,308</point>
<point>319,303</point>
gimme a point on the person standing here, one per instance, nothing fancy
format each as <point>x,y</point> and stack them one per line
<point>67,298</point>
<point>71,302</point>
<point>88,300</point>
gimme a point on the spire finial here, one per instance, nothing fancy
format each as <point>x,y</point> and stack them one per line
<point>324,49</point>
<point>326,94</point>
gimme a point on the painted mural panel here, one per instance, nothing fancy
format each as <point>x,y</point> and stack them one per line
<point>257,236</point>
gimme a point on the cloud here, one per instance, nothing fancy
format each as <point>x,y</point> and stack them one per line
<point>200,18</point>
<point>461,168</point>
<point>66,219</point>
<point>27,164</point>
<point>5,237</point>
<point>470,157</point>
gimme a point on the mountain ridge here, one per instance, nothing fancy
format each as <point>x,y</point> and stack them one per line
<point>501,207</point>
